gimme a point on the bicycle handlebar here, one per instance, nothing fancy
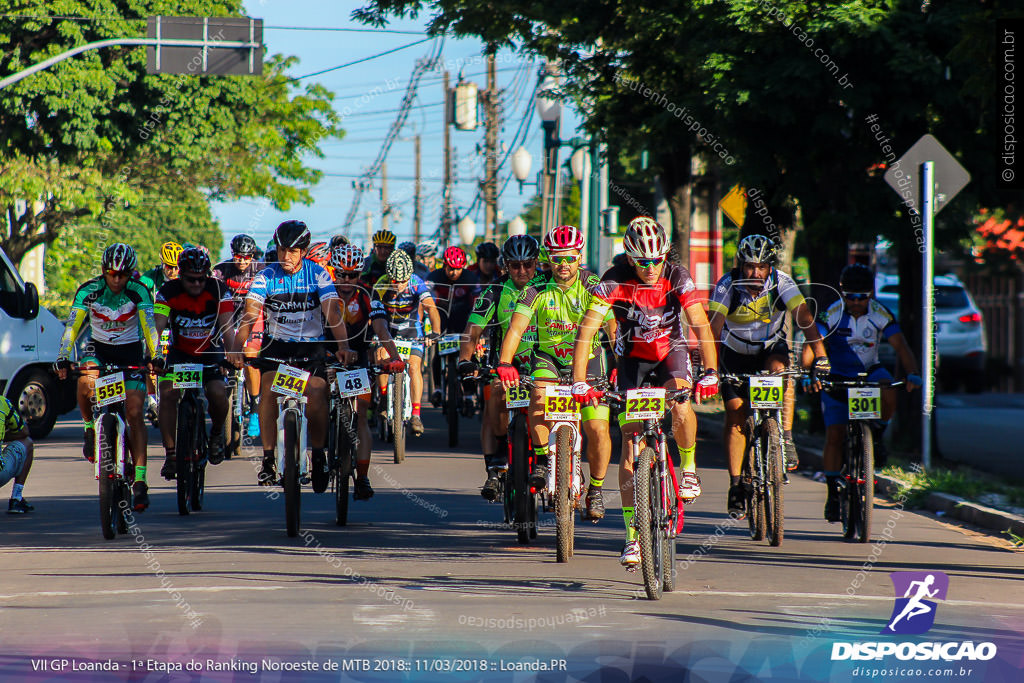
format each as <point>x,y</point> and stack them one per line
<point>829,382</point>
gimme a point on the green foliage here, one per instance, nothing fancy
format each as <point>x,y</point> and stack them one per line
<point>96,131</point>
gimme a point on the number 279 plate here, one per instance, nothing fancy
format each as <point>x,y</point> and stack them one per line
<point>765,392</point>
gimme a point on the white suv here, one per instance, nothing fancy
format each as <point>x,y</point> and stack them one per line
<point>959,336</point>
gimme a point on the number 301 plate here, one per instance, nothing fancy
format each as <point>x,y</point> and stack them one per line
<point>353,382</point>
<point>864,403</point>
<point>645,404</point>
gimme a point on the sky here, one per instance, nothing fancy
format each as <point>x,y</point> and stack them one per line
<point>372,92</point>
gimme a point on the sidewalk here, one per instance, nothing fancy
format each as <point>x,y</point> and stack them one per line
<point>942,504</point>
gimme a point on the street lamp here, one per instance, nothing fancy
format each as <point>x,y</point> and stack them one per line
<point>516,226</point>
<point>467,231</point>
<point>522,160</point>
<point>549,108</point>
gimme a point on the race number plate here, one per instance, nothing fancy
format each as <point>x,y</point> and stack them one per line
<point>353,383</point>
<point>187,376</point>
<point>110,389</point>
<point>517,397</point>
<point>560,405</point>
<point>864,403</point>
<point>289,381</point>
<point>404,347</point>
<point>448,344</point>
<point>765,392</point>
<point>645,404</point>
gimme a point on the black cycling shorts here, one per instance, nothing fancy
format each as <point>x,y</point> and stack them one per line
<point>743,364</point>
<point>287,350</point>
<point>548,368</point>
<point>118,354</point>
<point>632,371</point>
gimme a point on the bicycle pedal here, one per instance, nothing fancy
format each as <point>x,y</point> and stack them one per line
<point>632,568</point>
<point>304,480</point>
<point>785,478</point>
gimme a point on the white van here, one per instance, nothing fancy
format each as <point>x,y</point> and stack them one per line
<point>29,340</point>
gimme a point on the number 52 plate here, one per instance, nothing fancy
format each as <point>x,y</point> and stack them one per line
<point>864,402</point>
<point>645,404</point>
<point>290,381</point>
<point>559,404</point>
<point>765,392</point>
<point>353,382</point>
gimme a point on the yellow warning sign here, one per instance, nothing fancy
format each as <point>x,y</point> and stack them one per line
<point>734,205</point>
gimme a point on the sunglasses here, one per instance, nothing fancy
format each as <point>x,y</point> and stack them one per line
<point>346,276</point>
<point>563,260</point>
<point>521,265</point>
<point>191,279</point>
<point>646,263</point>
<point>119,273</point>
<point>856,296</point>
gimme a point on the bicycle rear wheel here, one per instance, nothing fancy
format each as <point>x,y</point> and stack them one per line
<point>863,492</point>
<point>184,453</point>
<point>452,397</point>
<point>518,478</point>
<point>564,517</point>
<point>752,481</point>
<point>398,410</point>
<point>647,509</point>
<point>771,436</point>
<point>110,511</point>
<point>668,576</point>
<point>292,491</point>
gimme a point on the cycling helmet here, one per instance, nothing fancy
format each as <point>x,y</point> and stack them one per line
<point>243,245</point>
<point>409,248</point>
<point>385,237</point>
<point>455,257</point>
<point>347,257</point>
<point>319,253</point>
<point>857,277</point>
<point>194,260</point>
<point>645,238</point>
<point>169,252</point>
<point>119,257</point>
<point>292,235</point>
<point>757,249</point>
<point>338,240</point>
<point>487,250</point>
<point>427,249</point>
<point>564,238</point>
<point>398,266</point>
<point>519,248</point>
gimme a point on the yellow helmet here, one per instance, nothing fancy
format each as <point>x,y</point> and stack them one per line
<point>385,237</point>
<point>169,253</point>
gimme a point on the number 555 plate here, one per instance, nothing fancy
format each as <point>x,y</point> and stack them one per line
<point>645,404</point>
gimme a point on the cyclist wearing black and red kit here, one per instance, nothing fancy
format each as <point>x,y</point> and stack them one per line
<point>454,288</point>
<point>197,309</point>
<point>650,299</point>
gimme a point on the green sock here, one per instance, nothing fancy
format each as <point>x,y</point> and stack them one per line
<point>140,473</point>
<point>597,483</point>
<point>688,459</point>
<point>90,425</point>
<point>541,452</point>
<point>627,517</point>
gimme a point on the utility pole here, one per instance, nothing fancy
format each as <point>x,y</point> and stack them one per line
<point>384,196</point>
<point>418,203</point>
<point>446,209</point>
<point>491,178</point>
<point>369,230</point>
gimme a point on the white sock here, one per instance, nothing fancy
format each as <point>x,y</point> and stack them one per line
<point>16,491</point>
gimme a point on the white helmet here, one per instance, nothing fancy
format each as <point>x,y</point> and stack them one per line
<point>757,249</point>
<point>645,238</point>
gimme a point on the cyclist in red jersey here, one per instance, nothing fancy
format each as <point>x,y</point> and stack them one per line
<point>651,299</point>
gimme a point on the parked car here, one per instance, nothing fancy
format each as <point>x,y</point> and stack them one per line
<point>960,342</point>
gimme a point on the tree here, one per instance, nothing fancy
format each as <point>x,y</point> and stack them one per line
<point>95,131</point>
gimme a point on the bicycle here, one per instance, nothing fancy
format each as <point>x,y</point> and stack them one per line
<point>447,349</point>
<point>343,433</point>
<point>393,423</point>
<point>764,468</point>
<point>113,467</point>
<point>292,459</point>
<point>658,507</point>
<point>234,429</point>
<point>857,474</point>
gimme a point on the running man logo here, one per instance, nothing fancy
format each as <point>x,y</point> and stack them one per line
<point>913,613</point>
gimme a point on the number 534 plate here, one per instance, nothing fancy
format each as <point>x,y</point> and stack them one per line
<point>559,404</point>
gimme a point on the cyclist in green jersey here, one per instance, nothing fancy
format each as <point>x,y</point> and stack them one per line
<point>556,302</point>
<point>157,277</point>
<point>492,312</point>
<point>15,456</point>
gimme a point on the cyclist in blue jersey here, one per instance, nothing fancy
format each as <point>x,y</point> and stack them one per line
<point>852,328</point>
<point>402,295</point>
<point>296,296</point>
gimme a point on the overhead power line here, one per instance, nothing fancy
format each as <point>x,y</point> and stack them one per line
<point>358,61</point>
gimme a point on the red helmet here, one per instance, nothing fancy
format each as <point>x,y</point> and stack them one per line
<point>319,253</point>
<point>564,238</point>
<point>455,257</point>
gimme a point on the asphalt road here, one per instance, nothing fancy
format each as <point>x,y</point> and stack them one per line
<point>424,584</point>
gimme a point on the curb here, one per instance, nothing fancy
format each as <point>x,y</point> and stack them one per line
<point>945,504</point>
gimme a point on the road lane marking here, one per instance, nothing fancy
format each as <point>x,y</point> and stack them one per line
<point>131,591</point>
<point>832,596</point>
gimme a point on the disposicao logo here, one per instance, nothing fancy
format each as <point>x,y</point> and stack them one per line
<point>914,613</point>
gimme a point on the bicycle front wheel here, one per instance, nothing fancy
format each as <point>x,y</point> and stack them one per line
<point>861,488</point>
<point>771,448</point>
<point>398,412</point>
<point>106,430</point>
<point>342,454</point>
<point>452,397</point>
<point>646,517</point>
<point>184,453</point>
<point>752,481</point>
<point>563,494</point>
<point>292,491</point>
<point>518,479</point>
